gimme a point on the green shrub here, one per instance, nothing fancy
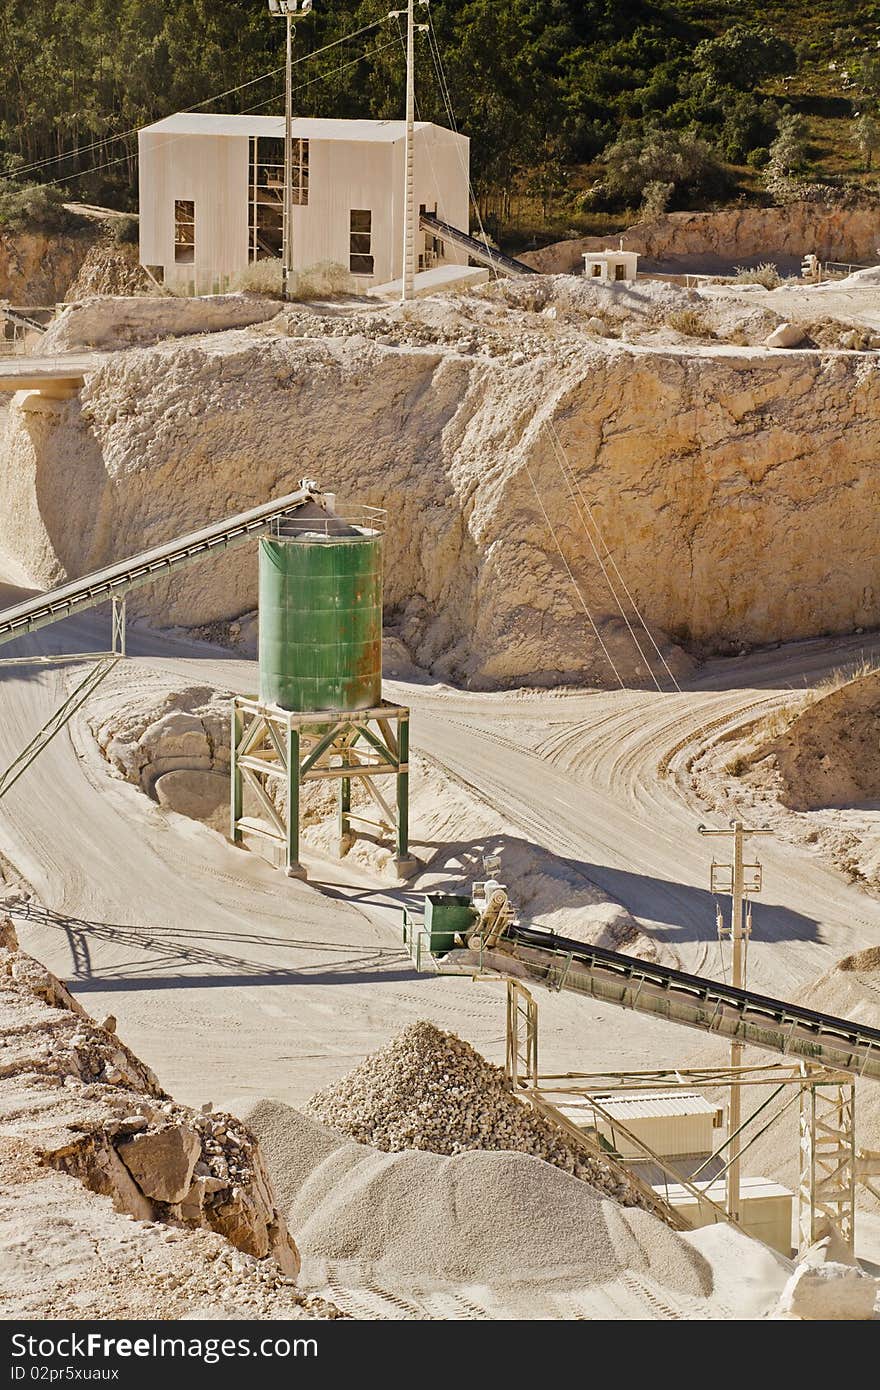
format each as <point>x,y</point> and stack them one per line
<point>765,274</point>
<point>325,280</point>
<point>126,231</point>
<point>34,207</point>
<point>688,322</point>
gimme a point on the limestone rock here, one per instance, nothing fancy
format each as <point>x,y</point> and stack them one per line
<point>732,234</point>
<point>162,1162</point>
<point>697,460</point>
<point>829,1292</point>
<point>198,794</point>
<point>105,321</point>
<point>787,335</point>
<point>8,938</point>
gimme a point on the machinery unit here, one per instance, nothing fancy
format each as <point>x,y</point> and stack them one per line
<point>320,715</point>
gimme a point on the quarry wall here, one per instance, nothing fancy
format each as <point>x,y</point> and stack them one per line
<point>736,488</point>
<point>730,235</point>
<point>37,267</point>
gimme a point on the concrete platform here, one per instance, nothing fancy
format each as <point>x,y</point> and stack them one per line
<point>436,281</point>
<point>60,376</point>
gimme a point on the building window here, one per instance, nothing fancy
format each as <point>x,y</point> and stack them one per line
<point>620,272</point>
<point>360,239</point>
<point>184,232</point>
<point>266,220</point>
<point>596,272</point>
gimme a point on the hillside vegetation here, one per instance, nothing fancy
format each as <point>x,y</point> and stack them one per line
<point>581,112</point>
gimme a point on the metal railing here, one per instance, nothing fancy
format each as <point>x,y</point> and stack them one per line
<point>353,523</point>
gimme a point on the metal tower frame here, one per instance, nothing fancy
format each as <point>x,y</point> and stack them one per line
<point>827,1187</point>
<point>271,745</point>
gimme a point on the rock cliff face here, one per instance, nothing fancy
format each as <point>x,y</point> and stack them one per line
<point>834,234</point>
<point>736,488</point>
<point>37,267</point>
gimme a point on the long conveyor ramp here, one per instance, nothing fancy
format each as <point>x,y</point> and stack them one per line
<point>479,250</point>
<point>694,1001</point>
<point>116,580</point>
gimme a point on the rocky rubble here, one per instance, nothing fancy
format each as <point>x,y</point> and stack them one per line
<point>431,1090</point>
<point>90,1108</point>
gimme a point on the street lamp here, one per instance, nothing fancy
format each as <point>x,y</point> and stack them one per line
<point>288,10</point>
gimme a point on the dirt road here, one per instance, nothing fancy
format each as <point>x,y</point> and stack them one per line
<point>232,981</point>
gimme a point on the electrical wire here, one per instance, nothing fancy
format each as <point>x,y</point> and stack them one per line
<point>218,96</point>
<point>568,474</point>
<point>567,468</point>
<point>440,72</point>
<point>322,77</point>
<point>574,582</point>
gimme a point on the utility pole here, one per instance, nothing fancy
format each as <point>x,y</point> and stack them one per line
<point>289,10</point>
<point>409,194</point>
<point>737,879</point>
<point>409,197</point>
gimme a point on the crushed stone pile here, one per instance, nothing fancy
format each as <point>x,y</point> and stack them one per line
<point>431,1090</point>
<point>494,1218</point>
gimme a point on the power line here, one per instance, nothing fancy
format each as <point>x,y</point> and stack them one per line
<point>572,482</point>
<point>574,582</point>
<point>322,77</point>
<point>218,96</point>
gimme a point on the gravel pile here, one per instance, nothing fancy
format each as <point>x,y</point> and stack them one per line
<point>421,1220</point>
<point>430,1090</point>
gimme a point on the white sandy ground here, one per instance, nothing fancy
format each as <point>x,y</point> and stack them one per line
<point>233,982</point>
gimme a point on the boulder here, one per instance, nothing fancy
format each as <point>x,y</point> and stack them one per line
<point>195,793</point>
<point>162,1162</point>
<point>829,1292</point>
<point>8,938</point>
<point>787,335</point>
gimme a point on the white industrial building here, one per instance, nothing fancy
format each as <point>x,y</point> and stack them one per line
<point>211,196</point>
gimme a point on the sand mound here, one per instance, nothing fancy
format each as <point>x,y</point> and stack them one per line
<point>830,754</point>
<point>491,1218</point>
<point>430,1090</point>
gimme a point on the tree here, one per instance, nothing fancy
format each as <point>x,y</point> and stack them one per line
<point>788,153</point>
<point>744,57</point>
<point>673,158</point>
<point>867,133</point>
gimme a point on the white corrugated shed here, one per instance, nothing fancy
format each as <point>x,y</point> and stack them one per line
<point>656,1103</point>
<point>673,1124</point>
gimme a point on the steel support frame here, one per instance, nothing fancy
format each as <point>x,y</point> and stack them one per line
<point>826,1191</point>
<point>269,743</point>
<point>521,1062</point>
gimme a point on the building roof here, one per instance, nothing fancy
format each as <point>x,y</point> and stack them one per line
<point>664,1103</point>
<point>304,127</point>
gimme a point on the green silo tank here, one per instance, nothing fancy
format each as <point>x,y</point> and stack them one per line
<point>320,615</point>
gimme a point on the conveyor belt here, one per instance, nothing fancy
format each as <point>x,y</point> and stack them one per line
<point>116,580</point>
<point>486,255</point>
<point>697,1002</point>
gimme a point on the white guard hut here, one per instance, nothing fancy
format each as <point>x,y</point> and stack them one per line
<point>212,187</point>
<point>611,265</point>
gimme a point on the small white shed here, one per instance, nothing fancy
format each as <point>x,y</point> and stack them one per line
<point>611,265</point>
<point>211,196</point>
